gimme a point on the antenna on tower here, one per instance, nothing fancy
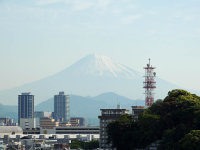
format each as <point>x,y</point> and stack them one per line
<point>149,84</point>
<point>149,61</point>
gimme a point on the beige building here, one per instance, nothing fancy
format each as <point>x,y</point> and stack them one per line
<point>64,124</point>
<point>75,122</point>
<point>107,116</point>
<point>47,125</point>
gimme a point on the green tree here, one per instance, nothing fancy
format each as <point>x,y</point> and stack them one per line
<point>91,144</point>
<point>118,132</point>
<point>191,141</point>
<point>168,121</point>
<point>76,144</point>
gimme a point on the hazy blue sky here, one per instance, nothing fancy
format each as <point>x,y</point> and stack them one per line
<point>41,37</point>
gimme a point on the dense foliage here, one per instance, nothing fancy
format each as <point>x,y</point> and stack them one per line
<point>172,121</point>
<point>75,144</point>
<point>191,141</point>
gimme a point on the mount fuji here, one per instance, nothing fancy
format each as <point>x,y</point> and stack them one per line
<point>90,76</point>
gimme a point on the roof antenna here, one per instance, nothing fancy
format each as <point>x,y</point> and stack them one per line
<point>149,61</point>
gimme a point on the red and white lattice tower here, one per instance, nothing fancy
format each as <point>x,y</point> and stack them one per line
<point>149,84</point>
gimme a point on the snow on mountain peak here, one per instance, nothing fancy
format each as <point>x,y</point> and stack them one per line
<point>100,65</point>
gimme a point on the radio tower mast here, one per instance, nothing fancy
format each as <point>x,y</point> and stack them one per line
<point>149,84</point>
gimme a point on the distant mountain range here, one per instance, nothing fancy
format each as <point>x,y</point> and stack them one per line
<point>88,107</point>
<point>92,75</point>
<point>9,111</point>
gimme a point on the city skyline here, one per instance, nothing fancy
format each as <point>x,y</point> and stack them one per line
<point>40,38</point>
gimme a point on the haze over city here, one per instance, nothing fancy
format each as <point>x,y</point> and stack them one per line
<point>42,37</point>
<point>100,74</point>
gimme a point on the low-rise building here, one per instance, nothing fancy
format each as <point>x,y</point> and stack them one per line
<point>47,125</point>
<point>107,116</point>
<point>6,121</point>
<point>27,123</point>
<point>41,114</point>
<point>82,120</point>
<point>62,124</point>
<point>76,130</point>
<point>43,141</point>
<point>136,111</point>
<point>75,122</point>
<point>31,131</point>
<point>2,147</point>
<point>10,130</point>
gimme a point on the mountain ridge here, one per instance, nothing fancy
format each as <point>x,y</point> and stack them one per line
<point>89,107</point>
<point>91,75</point>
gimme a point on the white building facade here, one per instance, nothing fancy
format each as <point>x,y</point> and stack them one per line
<point>27,123</point>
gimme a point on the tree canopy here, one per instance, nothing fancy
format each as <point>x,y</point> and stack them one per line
<point>84,145</point>
<point>171,121</point>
